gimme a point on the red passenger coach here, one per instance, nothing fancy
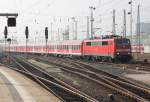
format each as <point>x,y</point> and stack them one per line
<point>65,47</point>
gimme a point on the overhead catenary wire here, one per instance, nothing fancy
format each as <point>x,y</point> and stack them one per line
<point>34,5</point>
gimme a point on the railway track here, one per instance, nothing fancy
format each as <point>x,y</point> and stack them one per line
<point>121,85</point>
<point>60,89</point>
<point>139,67</point>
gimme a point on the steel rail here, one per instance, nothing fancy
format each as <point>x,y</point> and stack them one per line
<point>127,93</point>
<point>84,96</point>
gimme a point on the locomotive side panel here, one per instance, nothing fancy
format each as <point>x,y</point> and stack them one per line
<point>99,48</point>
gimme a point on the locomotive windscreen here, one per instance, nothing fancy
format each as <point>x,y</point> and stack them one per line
<point>123,41</point>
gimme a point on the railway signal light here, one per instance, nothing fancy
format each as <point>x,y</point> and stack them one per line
<point>9,40</point>
<point>130,2</point>
<point>11,22</point>
<point>5,32</point>
<point>27,32</point>
<point>46,32</point>
<point>129,13</point>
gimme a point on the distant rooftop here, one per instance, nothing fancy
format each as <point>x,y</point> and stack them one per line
<point>145,28</point>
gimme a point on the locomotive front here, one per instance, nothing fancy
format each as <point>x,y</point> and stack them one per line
<point>123,49</point>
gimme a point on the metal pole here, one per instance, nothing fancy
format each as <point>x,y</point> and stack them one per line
<point>124,24</point>
<point>92,20</point>
<point>75,24</point>
<point>131,21</point>
<point>5,46</point>
<point>26,47</point>
<point>87,27</point>
<point>58,35</point>
<point>9,52</point>
<point>114,23</point>
<point>51,31</point>
<point>139,30</point>
<point>27,36</point>
<point>9,42</point>
<point>91,23</point>
<point>73,28</point>
<point>5,36</point>
<point>76,28</point>
<point>68,31</point>
<point>46,47</point>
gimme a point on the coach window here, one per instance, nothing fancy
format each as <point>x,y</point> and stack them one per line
<point>61,46</point>
<point>104,43</point>
<point>53,47</point>
<point>88,43</point>
<point>79,46</point>
<point>67,47</point>
<point>93,44</point>
<point>76,47</point>
<point>58,47</point>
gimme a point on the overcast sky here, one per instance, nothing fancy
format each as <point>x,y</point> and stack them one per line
<point>38,14</point>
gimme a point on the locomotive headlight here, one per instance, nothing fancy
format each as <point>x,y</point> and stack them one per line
<point>118,53</point>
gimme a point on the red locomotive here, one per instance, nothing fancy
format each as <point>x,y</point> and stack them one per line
<point>106,48</point>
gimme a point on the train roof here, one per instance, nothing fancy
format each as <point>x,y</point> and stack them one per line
<point>68,42</point>
<point>106,38</point>
<point>92,40</point>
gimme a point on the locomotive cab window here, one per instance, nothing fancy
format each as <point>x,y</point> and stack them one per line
<point>123,41</point>
<point>88,43</point>
<point>104,43</point>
